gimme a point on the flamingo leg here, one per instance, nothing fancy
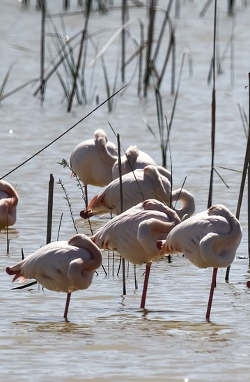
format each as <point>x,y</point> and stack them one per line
<point>213,285</point>
<point>67,307</point>
<point>145,286</point>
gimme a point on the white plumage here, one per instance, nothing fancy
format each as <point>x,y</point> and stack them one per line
<point>92,160</point>
<point>8,202</point>
<point>61,266</point>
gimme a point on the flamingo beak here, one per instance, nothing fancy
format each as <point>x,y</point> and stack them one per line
<point>85,214</point>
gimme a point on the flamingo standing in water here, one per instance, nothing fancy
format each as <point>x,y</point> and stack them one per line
<point>8,202</point>
<point>133,159</point>
<point>135,233</point>
<point>61,266</point>
<point>92,160</point>
<point>208,239</point>
<point>138,186</point>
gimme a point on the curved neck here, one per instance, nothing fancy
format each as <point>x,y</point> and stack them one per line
<point>187,200</point>
<point>10,191</point>
<point>82,241</point>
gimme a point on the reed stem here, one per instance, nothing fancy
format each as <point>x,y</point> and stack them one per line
<point>50,208</point>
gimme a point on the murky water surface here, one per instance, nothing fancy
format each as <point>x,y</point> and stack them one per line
<point>108,337</point>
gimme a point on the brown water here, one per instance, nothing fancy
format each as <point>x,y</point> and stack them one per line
<point>109,338</point>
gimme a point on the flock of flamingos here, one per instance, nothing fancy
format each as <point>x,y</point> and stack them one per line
<point>146,229</point>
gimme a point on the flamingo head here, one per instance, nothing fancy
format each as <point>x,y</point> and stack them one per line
<point>95,207</point>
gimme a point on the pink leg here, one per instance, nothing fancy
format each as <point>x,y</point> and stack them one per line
<point>213,285</point>
<point>67,307</point>
<point>145,286</point>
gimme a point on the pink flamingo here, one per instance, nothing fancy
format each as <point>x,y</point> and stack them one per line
<point>8,202</point>
<point>132,160</point>
<point>61,266</point>
<point>208,239</point>
<point>92,160</point>
<point>137,186</point>
<point>135,232</point>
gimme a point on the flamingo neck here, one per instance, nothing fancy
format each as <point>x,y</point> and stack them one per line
<point>187,200</point>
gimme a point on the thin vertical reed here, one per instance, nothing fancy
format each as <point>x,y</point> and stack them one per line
<point>213,113</point>
<point>248,211</point>
<point>231,7</point>
<point>139,86</point>
<point>123,36</point>
<point>42,58</point>
<point>84,33</point>
<point>150,38</point>
<point>163,26</point>
<point>66,4</point>
<point>244,174</point>
<point>59,227</point>
<point>50,208</point>
<point>173,64</point>
<point>121,208</point>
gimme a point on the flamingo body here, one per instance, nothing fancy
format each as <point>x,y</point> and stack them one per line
<point>8,202</point>
<point>135,232</point>
<point>137,186</point>
<point>207,239</point>
<point>61,266</point>
<point>92,160</point>
<point>133,159</point>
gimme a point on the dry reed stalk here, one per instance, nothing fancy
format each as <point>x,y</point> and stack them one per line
<point>161,34</point>
<point>3,96</point>
<point>84,33</point>
<point>50,208</point>
<point>61,135</point>
<point>68,202</point>
<point>5,80</point>
<point>243,178</point>
<point>231,4</point>
<point>142,44</point>
<point>58,63</point>
<point>213,113</point>
<point>168,51</point>
<point>22,254</point>
<point>59,227</point>
<point>205,8</point>
<point>121,209</point>
<point>123,36</point>
<point>66,4</point>
<point>150,37</point>
<point>248,211</point>
<point>173,64</point>
<point>42,47</point>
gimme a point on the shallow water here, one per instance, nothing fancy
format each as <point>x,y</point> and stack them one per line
<point>109,338</point>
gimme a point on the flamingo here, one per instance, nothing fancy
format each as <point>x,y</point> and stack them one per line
<point>62,266</point>
<point>137,186</point>
<point>8,202</point>
<point>92,160</point>
<point>135,233</point>
<point>207,239</point>
<point>132,160</point>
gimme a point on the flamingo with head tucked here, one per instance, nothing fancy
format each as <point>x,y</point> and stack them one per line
<point>137,186</point>
<point>62,266</point>
<point>135,233</point>
<point>92,160</point>
<point>208,239</point>
<point>132,160</point>
<point>8,202</point>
